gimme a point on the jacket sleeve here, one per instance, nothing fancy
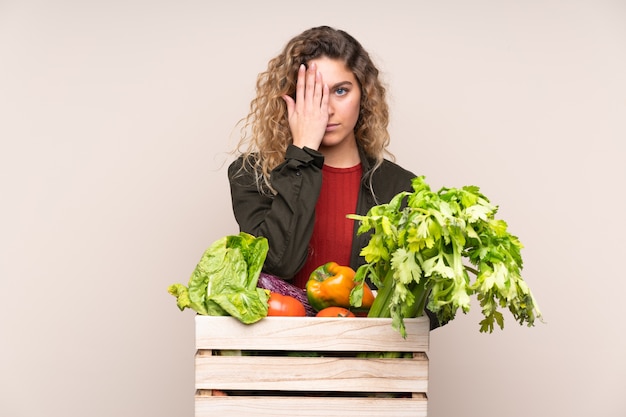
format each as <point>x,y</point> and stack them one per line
<point>286,218</point>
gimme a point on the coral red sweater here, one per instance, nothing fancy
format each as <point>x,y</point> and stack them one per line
<point>332,233</point>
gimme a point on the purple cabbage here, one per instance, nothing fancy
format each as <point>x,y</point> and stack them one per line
<point>280,286</point>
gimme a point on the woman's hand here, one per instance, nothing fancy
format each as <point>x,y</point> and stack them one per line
<point>308,114</point>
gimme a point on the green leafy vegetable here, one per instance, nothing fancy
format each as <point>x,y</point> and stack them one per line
<point>420,244</point>
<point>225,280</point>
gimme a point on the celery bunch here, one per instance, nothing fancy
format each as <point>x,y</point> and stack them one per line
<point>418,254</point>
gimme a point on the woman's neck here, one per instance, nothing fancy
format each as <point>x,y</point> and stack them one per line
<point>343,155</point>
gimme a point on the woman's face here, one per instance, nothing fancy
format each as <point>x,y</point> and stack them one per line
<point>344,103</point>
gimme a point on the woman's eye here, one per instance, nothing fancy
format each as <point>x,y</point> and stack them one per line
<point>341,91</point>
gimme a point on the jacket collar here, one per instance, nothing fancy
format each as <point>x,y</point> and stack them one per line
<point>366,162</point>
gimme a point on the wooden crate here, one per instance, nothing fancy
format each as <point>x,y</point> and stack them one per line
<point>272,378</point>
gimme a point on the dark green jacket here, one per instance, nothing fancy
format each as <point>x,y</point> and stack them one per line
<point>286,218</point>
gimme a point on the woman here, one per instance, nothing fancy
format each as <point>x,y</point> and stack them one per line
<point>314,151</point>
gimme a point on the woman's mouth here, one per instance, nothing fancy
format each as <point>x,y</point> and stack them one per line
<point>331,126</point>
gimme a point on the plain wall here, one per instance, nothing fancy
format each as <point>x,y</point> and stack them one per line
<point>116,119</point>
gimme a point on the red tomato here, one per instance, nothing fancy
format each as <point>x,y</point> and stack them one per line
<point>285,305</point>
<point>334,312</point>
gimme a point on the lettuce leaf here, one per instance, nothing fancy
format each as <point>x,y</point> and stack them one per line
<point>224,281</point>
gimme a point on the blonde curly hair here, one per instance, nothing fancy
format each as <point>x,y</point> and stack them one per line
<point>265,133</point>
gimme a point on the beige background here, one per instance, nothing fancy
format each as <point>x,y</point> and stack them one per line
<point>115,122</point>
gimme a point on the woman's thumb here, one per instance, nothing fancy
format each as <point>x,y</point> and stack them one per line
<point>290,103</point>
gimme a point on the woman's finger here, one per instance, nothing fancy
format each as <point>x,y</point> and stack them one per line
<point>309,91</point>
<point>324,101</point>
<point>300,85</point>
<point>318,92</point>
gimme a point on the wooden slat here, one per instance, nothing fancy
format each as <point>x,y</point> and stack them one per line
<point>312,373</point>
<point>309,407</point>
<point>311,334</point>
